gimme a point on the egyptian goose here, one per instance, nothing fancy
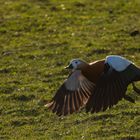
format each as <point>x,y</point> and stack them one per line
<point>96,86</point>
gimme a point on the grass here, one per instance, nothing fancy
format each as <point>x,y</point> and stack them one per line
<point>37,39</point>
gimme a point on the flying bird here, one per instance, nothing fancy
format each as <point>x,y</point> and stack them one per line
<point>96,86</point>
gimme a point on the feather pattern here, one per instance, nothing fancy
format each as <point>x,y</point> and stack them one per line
<point>72,95</point>
<point>113,85</point>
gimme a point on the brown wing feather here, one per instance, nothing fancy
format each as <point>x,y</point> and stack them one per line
<point>72,95</point>
<point>109,90</point>
<point>66,109</point>
<point>72,107</point>
<point>75,101</point>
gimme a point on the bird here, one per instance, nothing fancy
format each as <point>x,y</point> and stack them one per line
<point>95,86</point>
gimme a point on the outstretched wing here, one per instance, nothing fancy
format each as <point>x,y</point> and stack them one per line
<point>110,88</point>
<point>72,95</point>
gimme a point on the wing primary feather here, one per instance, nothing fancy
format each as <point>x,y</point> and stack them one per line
<point>84,97</point>
<point>76,101</point>
<point>98,100</point>
<point>106,98</point>
<point>115,91</point>
<point>55,108</point>
<point>88,86</point>
<point>66,106</point>
<point>122,88</point>
<point>63,111</point>
<point>72,108</point>
<point>111,95</point>
<point>59,99</point>
<point>79,98</point>
<point>50,105</point>
<point>102,92</point>
<point>62,108</point>
<point>89,103</point>
<point>84,91</point>
<point>62,102</point>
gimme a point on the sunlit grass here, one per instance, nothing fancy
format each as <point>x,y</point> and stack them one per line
<point>37,39</point>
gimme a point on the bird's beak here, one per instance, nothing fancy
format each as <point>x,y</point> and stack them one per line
<point>69,67</point>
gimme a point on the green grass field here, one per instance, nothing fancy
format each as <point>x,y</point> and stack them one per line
<point>37,39</point>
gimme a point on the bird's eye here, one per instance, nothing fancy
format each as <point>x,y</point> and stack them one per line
<point>76,62</point>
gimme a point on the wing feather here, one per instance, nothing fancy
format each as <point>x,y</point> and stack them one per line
<point>110,88</point>
<point>66,106</point>
<point>111,97</point>
<point>75,101</point>
<point>98,105</point>
<point>72,108</point>
<point>62,101</point>
<point>72,95</point>
<point>106,98</point>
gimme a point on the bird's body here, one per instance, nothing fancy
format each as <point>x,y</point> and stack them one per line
<point>97,86</point>
<point>94,70</point>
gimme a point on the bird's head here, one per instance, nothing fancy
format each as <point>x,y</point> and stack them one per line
<point>76,64</point>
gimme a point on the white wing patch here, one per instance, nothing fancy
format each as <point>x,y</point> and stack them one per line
<point>72,82</point>
<point>117,62</point>
<point>75,81</point>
